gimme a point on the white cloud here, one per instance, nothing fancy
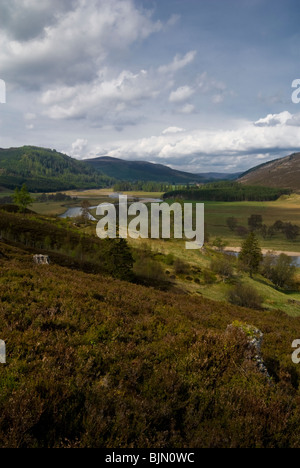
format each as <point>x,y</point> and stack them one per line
<point>181,94</point>
<point>74,44</point>
<point>207,84</point>
<point>275,120</point>
<point>79,147</point>
<point>202,148</point>
<point>187,109</point>
<point>178,63</point>
<point>174,19</point>
<point>173,130</point>
<point>217,98</point>
<point>102,96</point>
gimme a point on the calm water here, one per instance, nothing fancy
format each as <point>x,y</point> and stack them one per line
<point>76,210</point>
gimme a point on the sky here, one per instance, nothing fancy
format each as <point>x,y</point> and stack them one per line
<point>197,85</point>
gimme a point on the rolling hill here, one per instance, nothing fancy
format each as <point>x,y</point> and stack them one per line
<point>133,171</point>
<point>281,173</point>
<point>215,176</point>
<point>45,170</point>
<point>90,366</point>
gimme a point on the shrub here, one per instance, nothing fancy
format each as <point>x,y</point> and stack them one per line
<point>241,231</point>
<point>280,270</point>
<point>180,267</point>
<point>219,243</point>
<point>244,295</point>
<point>232,223</point>
<point>169,259</point>
<point>255,222</point>
<point>222,266</point>
<point>209,277</point>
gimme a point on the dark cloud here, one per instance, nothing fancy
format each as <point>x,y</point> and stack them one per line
<point>26,20</point>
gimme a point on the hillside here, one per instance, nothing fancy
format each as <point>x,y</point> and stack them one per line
<point>89,366</point>
<point>214,176</point>
<point>141,170</point>
<point>281,173</point>
<point>46,170</point>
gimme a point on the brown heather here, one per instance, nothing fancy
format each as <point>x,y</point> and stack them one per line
<point>97,362</point>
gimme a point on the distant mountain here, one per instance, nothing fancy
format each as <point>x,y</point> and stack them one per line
<point>281,173</point>
<point>133,171</point>
<point>45,170</point>
<point>221,175</point>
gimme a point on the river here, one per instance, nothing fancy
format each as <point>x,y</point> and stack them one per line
<point>75,211</point>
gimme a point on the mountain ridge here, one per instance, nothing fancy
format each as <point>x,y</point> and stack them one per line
<point>280,173</point>
<point>44,169</point>
<point>147,171</point>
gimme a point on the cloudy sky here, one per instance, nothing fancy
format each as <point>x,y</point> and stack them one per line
<point>199,85</point>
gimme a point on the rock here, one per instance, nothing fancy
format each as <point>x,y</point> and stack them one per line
<point>255,340</point>
<point>2,352</point>
<point>41,259</point>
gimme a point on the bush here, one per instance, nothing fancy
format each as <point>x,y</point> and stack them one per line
<point>232,223</point>
<point>180,267</point>
<point>244,295</point>
<point>280,270</point>
<point>222,266</point>
<point>169,259</point>
<point>219,243</point>
<point>241,231</point>
<point>209,277</point>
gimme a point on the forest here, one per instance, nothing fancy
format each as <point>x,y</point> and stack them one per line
<point>46,170</point>
<point>227,192</point>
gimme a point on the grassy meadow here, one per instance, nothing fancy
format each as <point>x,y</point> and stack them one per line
<point>286,209</point>
<point>95,197</point>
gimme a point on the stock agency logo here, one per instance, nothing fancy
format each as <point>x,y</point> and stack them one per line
<point>2,92</point>
<point>2,352</point>
<point>296,93</point>
<point>154,224</point>
<point>296,353</point>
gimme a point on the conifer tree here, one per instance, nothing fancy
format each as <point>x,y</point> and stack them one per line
<point>251,254</point>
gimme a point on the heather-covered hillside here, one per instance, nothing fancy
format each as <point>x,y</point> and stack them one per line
<point>96,362</point>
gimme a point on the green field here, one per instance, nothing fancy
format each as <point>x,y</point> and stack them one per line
<point>286,209</point>
<point>95,197</point>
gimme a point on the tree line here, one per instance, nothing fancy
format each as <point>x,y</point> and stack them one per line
<point>141,186</point>
<point>255,224</point>
<point>227,192</point>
